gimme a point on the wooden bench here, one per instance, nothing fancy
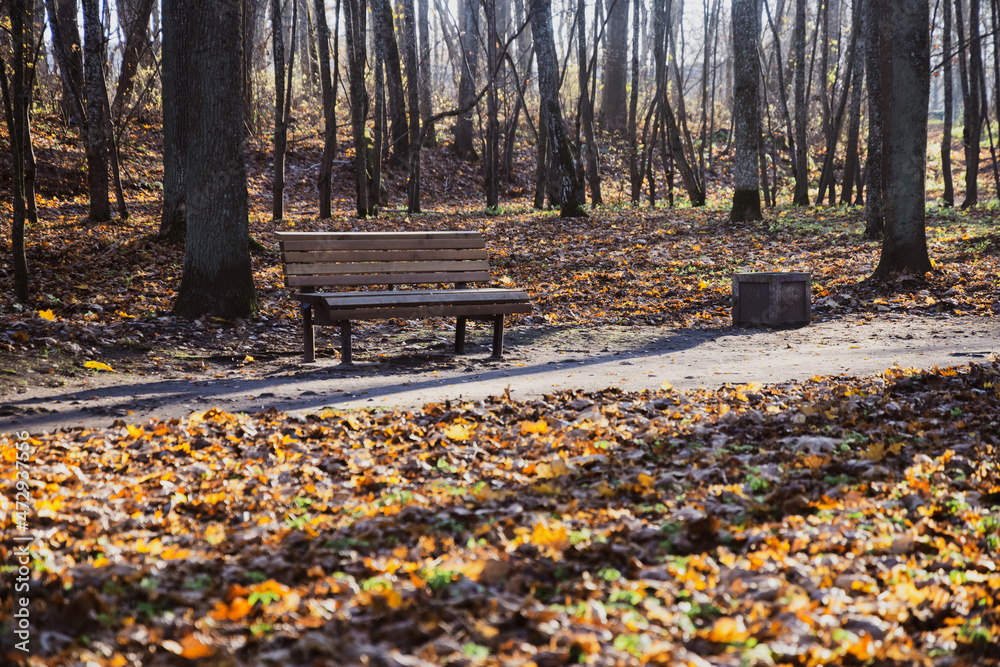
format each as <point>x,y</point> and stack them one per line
<point>316,261</point>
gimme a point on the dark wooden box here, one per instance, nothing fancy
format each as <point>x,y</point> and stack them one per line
<point>772,299</point>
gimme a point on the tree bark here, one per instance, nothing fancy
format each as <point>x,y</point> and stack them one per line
<point>974,94</point>
<point>874,205</point>
<point>587,109</point>
<point>398,127</point>
<point>469,44</point>
<point>904,53</point>
<point>746,111</point>
<point>948,197</point>
<point>354,11</point>
<point>325,180</point>
<point>15,105</point>
<point>66,21</point>
<point>614,98</point>
<point>491,163</point>
<point>548,88</point>
<point>852,161</point>
<point>801,195</point>
<point>635,174</point>
<point>135,45</point>
<point>426,65</point>
<point>217,278</point>
<point>413,76</point>
<point>174,67</point>
<point>97,141</point>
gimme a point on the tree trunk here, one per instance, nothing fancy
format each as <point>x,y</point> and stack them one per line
<point>217,278</point>
<point>27,148</point>
<point>548,88</point>
<point>325,180</point>
<point>874,205</point>
<point>974,94</point>
<point>67,23</point>
<point>852,161</point>
<point>635,174</point>
<point>97,141</point>
<point>587,108</point>
<point>614,99</point>
<point>375,150</point>
<point>746,111</point>
<point>783,94</point>
<point>541,166</point>
<point>398,128</point>
<point>948,197</point>
<point>174,67</point>
<point>15,103</point>
<point>135,45</point>
<point>491,163</point>
<point>469,43</point>
<point>413,76</point>
<point>354,11</point>
<point>280,137</point>
<point>801,195</point>
<point>426,65</point>
<point>904,52</point>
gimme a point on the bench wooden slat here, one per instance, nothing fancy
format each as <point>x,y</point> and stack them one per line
<point>437,310</point>
<point>387,279</point>
<point>380,244</point>
<point>347,236</point>
<point>385,267</point>
<point>413,297</point>
<point>383,255</point>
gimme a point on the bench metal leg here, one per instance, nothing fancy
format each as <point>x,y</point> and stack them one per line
<point>497,336</point>
<point>345,342</point>
<point>460,336</point>
<point>308,340</point>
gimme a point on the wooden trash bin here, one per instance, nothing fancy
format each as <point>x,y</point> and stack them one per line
<point>772,299</point>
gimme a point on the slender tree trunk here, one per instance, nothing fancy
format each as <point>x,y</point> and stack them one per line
<point>635,175</point>
<point>587,109</point>
<point>548,88</point>
<point>746,111</point>
<point>874,205</point>
<point>852,161</point>
<point>27,148</point>
<point>975,101</point>
<point>904,51</point>
<point>801,195</point>
<point>15,102</point>
<point>376,150</point>
<point>398,127</point>
<point>217,278</point>
<point>280,140</point>
<point>135,45</point>
<point>97,141</point>
<point>69,54</point>
<point>541,166</point>
<point>325,180</point>
<point>948,197</point>
<point>783,94</point>
<point>413,76</point>
<point>491,162</point>
<point>355,14</point>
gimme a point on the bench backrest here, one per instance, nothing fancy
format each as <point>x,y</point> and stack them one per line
<point>332,259</point>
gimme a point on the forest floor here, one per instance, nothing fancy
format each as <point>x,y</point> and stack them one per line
<point>709,496</point>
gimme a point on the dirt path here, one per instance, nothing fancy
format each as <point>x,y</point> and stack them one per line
<point>537,361</point>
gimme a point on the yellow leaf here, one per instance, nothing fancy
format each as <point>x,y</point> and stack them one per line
<point>136,431</point>
<point>47,314</point>
<point>247,359</point>
<point>192,648</point>
<point>458,432</point>
<point>646,481</point>
<point>393,599</point>
<point>702,284</point>
<point>555,536</point>
<point>666,386</point>
<point>99,366</point>
<point>728,630</point>
<point>540,427</point>
<point>238,608</point>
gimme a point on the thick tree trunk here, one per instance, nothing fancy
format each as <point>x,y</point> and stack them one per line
<point>614,99</point>
<point>904,53</point>
<point>746,111</point>
<point>67,23</point>
<point>801,195</point>
<point>426,64</point>
<point>398,127</point>
<point>874,205</point>
<point>97,141</point>
<point>217,277</point>
<point>174,67</point>
<point>469,43</point>
<point>325,180</point>
<point>548,88</point>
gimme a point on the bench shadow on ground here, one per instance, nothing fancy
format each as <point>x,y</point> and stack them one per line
<point>284,387</point>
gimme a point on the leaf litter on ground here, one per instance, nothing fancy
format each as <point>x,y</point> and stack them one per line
<point>838,520</point>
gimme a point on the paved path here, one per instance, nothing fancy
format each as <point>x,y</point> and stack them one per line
<point>538,361</point>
